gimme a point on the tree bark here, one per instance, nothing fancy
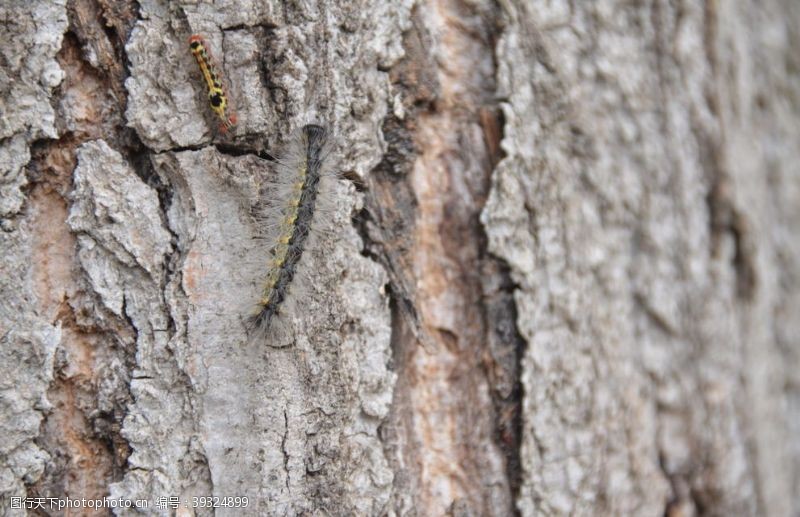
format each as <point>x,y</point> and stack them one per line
<point>563,276</point>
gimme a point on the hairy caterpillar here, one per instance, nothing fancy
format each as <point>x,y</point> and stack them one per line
<point>217,97</point>
<point>290,207</point>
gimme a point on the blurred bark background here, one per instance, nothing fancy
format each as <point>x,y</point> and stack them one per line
<point>566,279</point>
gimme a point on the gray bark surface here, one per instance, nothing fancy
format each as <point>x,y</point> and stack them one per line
<point>562,275</point>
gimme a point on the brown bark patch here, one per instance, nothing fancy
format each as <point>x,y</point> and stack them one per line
<point>432,185</point>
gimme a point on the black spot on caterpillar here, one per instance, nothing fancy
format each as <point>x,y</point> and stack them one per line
<point>288,212</point>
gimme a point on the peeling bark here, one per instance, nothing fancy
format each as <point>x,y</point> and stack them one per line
<point>563,276</point>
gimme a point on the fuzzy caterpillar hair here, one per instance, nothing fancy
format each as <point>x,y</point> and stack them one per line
<point>287,212</point>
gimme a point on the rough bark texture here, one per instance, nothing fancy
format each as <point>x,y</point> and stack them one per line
<point>564,277</point>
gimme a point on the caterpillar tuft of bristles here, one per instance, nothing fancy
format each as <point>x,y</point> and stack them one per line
<point>290,204</point>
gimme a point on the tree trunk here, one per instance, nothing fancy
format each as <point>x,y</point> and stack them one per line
<point>562,275</point>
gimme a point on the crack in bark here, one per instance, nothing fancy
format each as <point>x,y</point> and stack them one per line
<point>284,449</point>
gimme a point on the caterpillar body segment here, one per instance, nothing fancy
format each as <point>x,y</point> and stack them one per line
<point>217,96</point>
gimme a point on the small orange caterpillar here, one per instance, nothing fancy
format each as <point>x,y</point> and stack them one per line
<point>216,91</point>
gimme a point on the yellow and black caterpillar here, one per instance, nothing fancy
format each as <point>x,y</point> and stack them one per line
<point>217,96</point>
<point>292,201</point>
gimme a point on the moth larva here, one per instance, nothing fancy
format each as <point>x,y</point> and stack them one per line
<point>217,96</point>
<point>293,201</point>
